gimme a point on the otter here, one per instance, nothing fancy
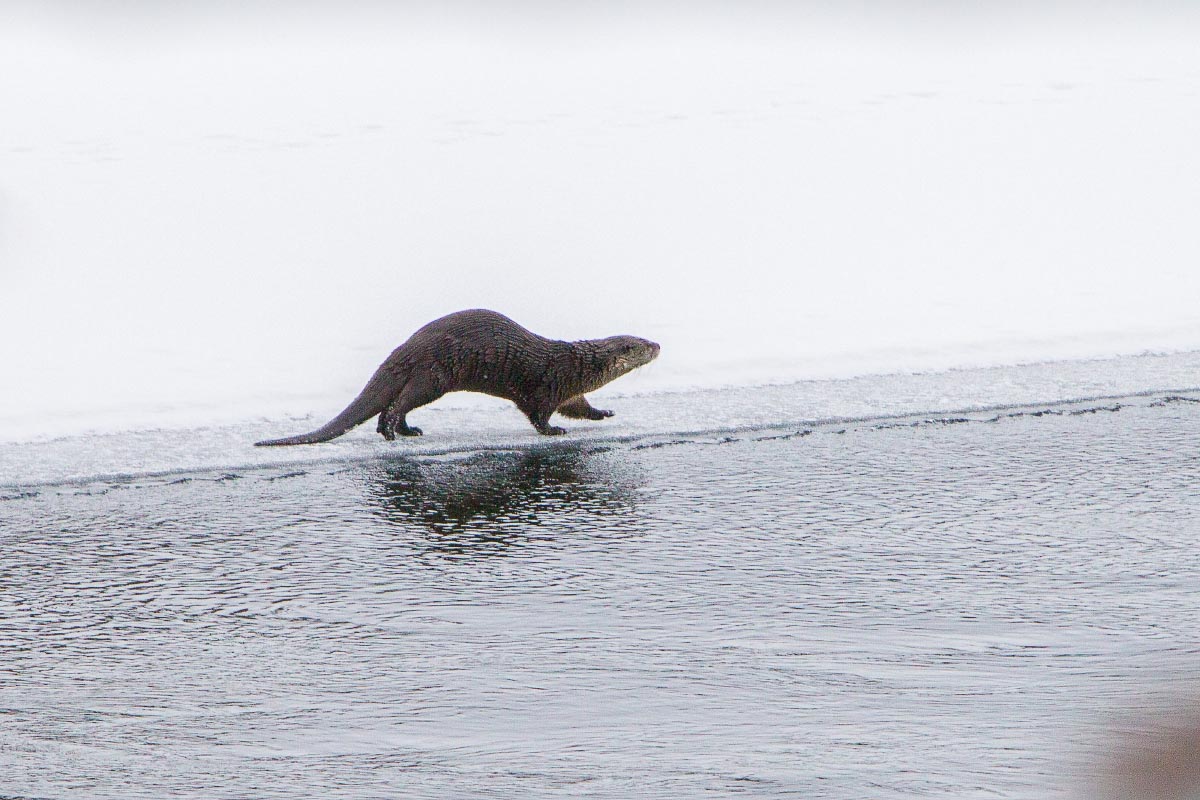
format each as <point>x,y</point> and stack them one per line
<point>484,351</point>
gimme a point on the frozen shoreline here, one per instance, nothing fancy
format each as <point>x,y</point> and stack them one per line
<point>465,423</point>
<point>67,390</point>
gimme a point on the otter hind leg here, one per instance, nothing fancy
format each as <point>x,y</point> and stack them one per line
<point>392,424</point>
<point>578,407</point>
<point>392,421</point>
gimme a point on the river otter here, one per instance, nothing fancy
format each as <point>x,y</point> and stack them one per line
<point>482,351</point>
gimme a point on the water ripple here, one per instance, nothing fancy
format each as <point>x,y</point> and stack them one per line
<point>880,608</point>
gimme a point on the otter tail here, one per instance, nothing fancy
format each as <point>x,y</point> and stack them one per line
<point>372,400</point>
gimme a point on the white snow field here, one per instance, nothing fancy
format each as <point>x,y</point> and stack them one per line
<point>223,219</point>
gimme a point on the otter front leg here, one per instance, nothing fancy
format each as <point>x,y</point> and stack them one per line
<point>578,407</point>
<point>540,418</point>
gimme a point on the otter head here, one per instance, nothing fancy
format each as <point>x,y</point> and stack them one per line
<point>618,355</point>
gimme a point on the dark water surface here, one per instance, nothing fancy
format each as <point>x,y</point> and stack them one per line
<point>944,607</point>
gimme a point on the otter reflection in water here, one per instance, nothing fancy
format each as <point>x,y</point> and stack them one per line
<point>497,497</point>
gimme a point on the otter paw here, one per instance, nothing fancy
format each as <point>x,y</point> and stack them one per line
<point>604,413</point>
<point>552,430</point>
<point>411,431</point>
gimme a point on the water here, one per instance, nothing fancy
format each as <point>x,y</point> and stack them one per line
<point>943,605</point>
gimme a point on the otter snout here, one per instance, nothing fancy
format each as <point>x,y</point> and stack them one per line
<point>649,351</point>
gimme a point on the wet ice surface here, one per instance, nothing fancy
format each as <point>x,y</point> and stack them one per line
<point>931,606</point>
<point>466,422</point>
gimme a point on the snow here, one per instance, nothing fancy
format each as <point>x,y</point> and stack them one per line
<point>226,219</point>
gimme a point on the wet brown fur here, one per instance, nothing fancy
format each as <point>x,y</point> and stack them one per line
<point>483,351</point>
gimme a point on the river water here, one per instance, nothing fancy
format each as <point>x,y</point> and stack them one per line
<point>954,605</point>
<point>905,508</point>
